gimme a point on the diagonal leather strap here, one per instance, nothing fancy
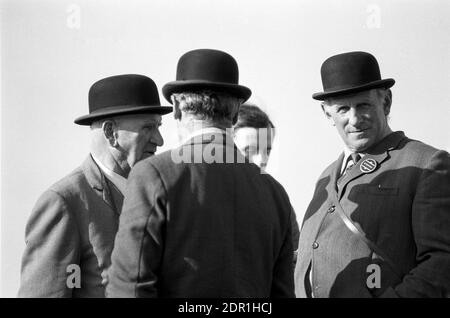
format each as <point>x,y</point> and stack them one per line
<point>359,233</point>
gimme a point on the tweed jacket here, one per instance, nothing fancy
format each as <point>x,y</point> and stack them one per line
<point>401,203</point>
<point>72,225</point>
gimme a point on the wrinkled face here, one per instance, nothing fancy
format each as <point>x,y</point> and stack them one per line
<point>361,119</point>
<point>255,144</point>
<point>138,136</point>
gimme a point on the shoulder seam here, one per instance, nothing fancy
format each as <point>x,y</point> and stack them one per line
<point>66,206</point>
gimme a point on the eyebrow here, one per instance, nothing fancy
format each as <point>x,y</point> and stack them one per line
<point>153,122</point>
<point>364,103</point>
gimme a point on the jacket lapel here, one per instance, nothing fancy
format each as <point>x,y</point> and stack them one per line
<point>115,195</point>
<point>330,188</point>
<point>335,173</point>
<point>379,153</point>
<point>97,181</point>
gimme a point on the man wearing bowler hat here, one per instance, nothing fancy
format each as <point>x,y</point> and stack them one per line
<point>214,227</point>
<point>71,230</point>
<point>378,224</point>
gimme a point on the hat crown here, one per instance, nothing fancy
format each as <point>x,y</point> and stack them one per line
<point>207,69</point>
<point>350,73</point>
<point>208,65</point>
<point>123,90</point>
<point>349,70</point>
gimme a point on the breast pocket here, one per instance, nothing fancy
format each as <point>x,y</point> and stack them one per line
<point>381,191</point>
<point>377,209</point>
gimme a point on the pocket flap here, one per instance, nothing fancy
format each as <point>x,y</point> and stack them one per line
<point>380,190</point>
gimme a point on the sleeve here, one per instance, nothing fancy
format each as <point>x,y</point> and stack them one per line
<point>431,230</point>
<point>138,245</point>
<point>52,244</point>
<point>283,272</point>
<point>295,234</point>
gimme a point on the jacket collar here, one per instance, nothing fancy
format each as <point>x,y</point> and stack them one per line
<point>214,139</point>
<point>116,179</point>
<point>212,136</point>
<point>208,135</point>
<point>97,181</point>
<point>336,171</point>
<point>379,153</point>
<point>203,131</point>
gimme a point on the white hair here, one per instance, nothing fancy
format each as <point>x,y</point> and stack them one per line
<point>207,104</point>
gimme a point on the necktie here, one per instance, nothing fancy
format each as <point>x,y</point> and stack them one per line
<point>351,161</point>
<point>355,158</point>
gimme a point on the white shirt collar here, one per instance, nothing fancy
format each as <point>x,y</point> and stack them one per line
<point>119,181</point>
<point>347,153</point>
<point>204,131</point>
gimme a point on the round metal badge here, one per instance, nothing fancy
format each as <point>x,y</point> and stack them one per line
<point>368,165</point>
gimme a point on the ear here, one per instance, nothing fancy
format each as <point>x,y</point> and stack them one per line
<point>387,102</point>
<point>325,109</point>
<point>176,109</point>
<point>234,120</point>
<point>109,128</point>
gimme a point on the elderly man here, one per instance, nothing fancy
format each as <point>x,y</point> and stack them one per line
<point>209,225</point>
<point>70,234</point>
<point>378,224</point>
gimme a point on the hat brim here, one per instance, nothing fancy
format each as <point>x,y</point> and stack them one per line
<point>384,83</point>
<point>122,110</point>
<point>183,86</point>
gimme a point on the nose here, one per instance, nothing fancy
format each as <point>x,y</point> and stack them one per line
<point>355,117</point>
<point>157,138</point>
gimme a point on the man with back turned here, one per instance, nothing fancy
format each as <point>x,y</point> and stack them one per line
<point>200,220</point>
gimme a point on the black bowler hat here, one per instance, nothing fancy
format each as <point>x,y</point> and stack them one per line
<point>350,73</point>
<point>207,69</point>
<point>122,95</point>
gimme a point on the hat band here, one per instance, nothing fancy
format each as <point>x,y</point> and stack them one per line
<point>118,108</point>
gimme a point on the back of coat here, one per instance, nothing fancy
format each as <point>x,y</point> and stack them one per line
<point>214,229</point>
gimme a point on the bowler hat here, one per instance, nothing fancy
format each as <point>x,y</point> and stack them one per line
<point>122,95</point>
<point>207,69</point>
<point>350,73</point>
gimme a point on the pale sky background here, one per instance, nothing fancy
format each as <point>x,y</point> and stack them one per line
<point>53,51</point>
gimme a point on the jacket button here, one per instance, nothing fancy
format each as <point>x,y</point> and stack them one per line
<point>331,209</point>
<point>315,245</point>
